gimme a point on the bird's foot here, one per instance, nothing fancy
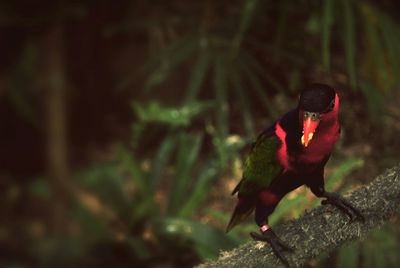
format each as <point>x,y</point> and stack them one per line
<point>341,203</point>
<point>277,245</point>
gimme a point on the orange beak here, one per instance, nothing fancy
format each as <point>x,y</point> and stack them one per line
<point>310,124</point>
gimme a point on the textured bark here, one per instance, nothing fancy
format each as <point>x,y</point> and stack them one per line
<point>324,228</point>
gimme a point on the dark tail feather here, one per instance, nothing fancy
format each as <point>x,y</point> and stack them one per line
<point>242,210</point>
<point>237,187</point>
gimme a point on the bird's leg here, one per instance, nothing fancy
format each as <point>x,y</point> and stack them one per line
<point>277,245</point>
<point>338,201</point>
<point>267,235</point>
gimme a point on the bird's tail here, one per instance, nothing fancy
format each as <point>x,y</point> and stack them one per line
<point>243,209</point>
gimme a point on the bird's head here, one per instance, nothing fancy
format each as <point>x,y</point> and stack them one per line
<point>317,103</point>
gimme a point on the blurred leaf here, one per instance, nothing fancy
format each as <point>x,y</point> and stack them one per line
<point>254,65</point>
<point>92,226</point>
<point>169,61</point>
<point>380,248</point>
<point>391,40</point>
<point>280,30</point>
<point>294,80</point>
<point>161,64</point>
<point>220,84</point>
<point>219,215</point>
<point>221,113</point>
<point>327,21</point>
<point>144,210</point>
<point>163,156</point>
<point>20,91</point>
<point>40,188</point>
<point>374,98</point>
<point>348,256</point>
<point>259,89</point>
<point>139,247</point>
<point>154,112</point>
<point>313,24</point>
<point>245,19</point>
<point>208,241</point>
<point>200,190</point>
<point>343,169</point>
<point>106,182</point>
<point>188,151</point>
<point>198,76</point>
<point>285,206</point>
<point>129,163</point>
<point>109,185</point>
<point>291,56</point>
<point>58,253</point>
<point>176,46</point>
<point>244,103</point>
<point>349,39</point>
<point>374,47</point>
<point>136,129</point>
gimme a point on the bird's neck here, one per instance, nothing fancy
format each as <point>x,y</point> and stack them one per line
<point>325,137</point>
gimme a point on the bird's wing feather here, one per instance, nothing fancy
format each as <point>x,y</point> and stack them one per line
<point>260,169</point>
<point>261,166</point>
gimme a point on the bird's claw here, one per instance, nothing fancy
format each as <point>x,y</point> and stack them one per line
<point>339,202</point>
<point>277,245</point>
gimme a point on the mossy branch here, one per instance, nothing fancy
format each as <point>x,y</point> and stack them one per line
<point>324,228</point>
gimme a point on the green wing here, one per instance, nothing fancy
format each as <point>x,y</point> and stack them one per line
<point>261,166</point>
<point>260,169</point>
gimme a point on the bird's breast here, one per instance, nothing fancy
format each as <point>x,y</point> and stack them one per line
<point>319,148</point>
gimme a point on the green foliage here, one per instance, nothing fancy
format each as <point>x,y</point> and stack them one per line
<point>230,70</point>
<point>379,249</point>
<point>188,153</point>
<point>220,77</point>
<point>108,185</point>
<point>374,99</point>
<point>246,17</point>
<point>21,93</point>
<point>350,41</point>
<point>208,241</point>
<point>40,189</point>
<point>163,64</point>
<point>54,252</point>
<point>391,43</point>
<point>348,256</point>
<point>239,88</point>
<point>154,112</point>
<point>201,187</point>
<point>327,21</point>
<point>127,192</point>
<point>197,76</point>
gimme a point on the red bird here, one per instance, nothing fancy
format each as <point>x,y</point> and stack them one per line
<point>291,153</point>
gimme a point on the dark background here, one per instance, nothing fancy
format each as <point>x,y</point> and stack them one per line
<point>123,124</point>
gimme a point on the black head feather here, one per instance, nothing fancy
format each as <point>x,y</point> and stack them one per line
<point>316,98</point>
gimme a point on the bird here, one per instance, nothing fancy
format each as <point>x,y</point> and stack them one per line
<point>290,153</point>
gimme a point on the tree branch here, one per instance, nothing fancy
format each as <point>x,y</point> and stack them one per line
<point>324,228</point>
